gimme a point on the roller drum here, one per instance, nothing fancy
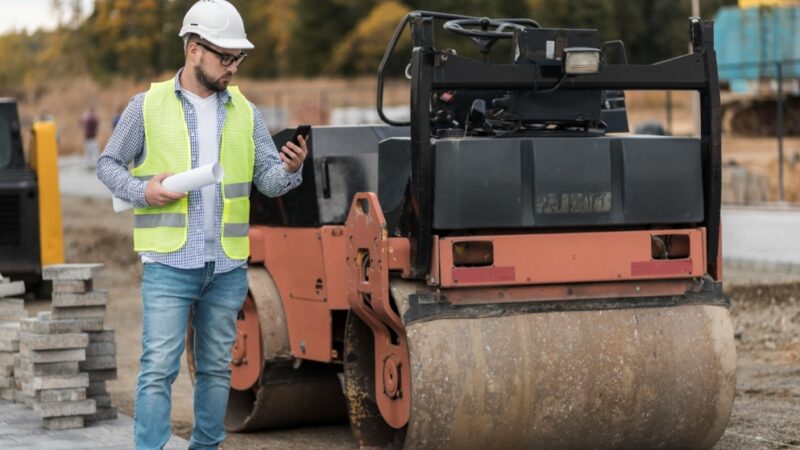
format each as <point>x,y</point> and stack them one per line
<point>623,379</point>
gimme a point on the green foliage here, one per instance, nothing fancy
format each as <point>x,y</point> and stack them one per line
<point>139,38</point>
<point>270,31</point>
<point>319,26</point>
<point>362,49</point>
<point>126,36</point>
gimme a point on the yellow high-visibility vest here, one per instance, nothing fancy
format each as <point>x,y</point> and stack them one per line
<point>164,229</point>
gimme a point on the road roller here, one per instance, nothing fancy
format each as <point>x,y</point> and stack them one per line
<point>509,268</point>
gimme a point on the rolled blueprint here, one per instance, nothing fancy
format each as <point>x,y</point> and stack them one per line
<point>183,182</point>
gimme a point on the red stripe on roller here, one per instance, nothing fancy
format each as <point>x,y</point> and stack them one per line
<point>675,267</point>
<point>483,274</point>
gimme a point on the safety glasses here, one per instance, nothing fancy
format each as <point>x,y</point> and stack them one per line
<point>225,59</point>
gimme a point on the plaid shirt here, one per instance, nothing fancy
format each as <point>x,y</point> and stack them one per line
<point>127,144</point>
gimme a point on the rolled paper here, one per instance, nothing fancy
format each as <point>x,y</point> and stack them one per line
<point>183,182</point>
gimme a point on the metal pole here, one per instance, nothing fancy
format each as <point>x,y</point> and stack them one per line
<point>323,105</point>
<point>695,95</point>
<point>669,113</point>
<point>779,128</point>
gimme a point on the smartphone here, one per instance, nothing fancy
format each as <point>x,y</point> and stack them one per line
<point>302,130</point>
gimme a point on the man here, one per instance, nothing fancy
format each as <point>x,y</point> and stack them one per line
<point>89,124</point>
<point>194,247</point>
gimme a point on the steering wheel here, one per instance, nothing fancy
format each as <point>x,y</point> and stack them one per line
<point>485,32</point>
<point>489,28</point>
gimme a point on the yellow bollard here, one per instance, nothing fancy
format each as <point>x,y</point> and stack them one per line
<point>44,160</point>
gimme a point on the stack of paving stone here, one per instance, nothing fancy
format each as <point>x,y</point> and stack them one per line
<point>50,352</point>
<point>75,299</point>
<point>11,311</point>
<point>101,365</point>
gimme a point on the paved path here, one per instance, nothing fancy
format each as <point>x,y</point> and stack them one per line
<point>75,178</point>
<point>761,239</point>
<point>21,429</point>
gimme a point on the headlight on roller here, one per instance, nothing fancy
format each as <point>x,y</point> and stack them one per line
<point>581,60</point>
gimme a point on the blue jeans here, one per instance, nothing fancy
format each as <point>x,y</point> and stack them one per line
<point>168,295</point>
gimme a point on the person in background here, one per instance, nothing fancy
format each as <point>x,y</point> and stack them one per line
<point>89,125</point>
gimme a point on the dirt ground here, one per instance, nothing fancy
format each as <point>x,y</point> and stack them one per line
<point>765,311</point>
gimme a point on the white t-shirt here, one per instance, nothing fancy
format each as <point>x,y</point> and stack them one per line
<point>208,143</point>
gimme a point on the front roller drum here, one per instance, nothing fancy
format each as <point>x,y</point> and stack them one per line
<point>269,389</point>
<point>625,379</point>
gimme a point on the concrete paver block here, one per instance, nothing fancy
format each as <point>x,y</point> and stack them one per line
<point>8,395</point>
<point>12,313</point>
<point>72,286</point>
<point>11,289</point>
<point>12,317</point>
<point>80,380</point>
<point>106,335</point>
<point>103,375</point>
<point>84,323</point>
<point>103,414</point>
<point>47,356</point>
<point>61,409</point>
<point>96,388</point>
<point>6,382</point>
<point>101,349</point>
<point>9,331</point>
<point>31,341</point>
<point>63,423</point>
<point>40,326</point>
<point>9,346</point>
<point>11,304</point>
<point>71,271</point>
<point>61,395</point>
<point>93,298</point>
<point>56,368</point>
<point>79,312</point>
<point>91,324</point>
<point>99,363</point>
<point>102,401</point>
<point>7,358</point>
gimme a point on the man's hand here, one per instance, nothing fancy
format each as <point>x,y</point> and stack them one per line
<point>156,195</point>
<point>294,155</point>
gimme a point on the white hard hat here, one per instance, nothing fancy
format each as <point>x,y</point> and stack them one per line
<point>218,22</point>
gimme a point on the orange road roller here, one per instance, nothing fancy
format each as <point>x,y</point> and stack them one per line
<point>507,269</point>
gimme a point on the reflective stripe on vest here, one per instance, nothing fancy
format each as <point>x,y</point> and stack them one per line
<point>165,229</point>
<point>158,220</point>
<point>237,190</point>
<point>236,229</point>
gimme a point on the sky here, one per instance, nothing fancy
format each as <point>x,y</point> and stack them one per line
<point>31,14</point>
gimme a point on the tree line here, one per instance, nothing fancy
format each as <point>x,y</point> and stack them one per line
<point>308,38</point>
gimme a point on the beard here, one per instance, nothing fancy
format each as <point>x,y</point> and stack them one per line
<point>218,85</point>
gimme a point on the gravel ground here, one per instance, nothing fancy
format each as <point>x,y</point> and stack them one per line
<point>765,311</point>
